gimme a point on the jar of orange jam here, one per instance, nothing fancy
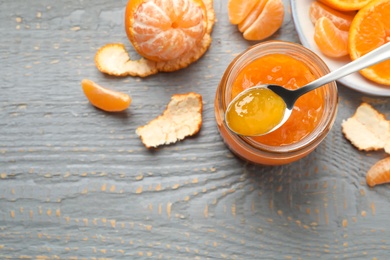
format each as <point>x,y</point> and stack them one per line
<point>292,66</point>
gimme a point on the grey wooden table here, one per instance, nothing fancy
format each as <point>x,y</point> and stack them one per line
<point>77,183</point>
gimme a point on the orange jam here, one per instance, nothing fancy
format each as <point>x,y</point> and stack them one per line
<point>286,71</point>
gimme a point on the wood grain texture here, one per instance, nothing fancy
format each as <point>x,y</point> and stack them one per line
<point>77,183</point>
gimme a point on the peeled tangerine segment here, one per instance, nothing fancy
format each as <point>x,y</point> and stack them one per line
<point>252,15</point>
<point>113,59</point>
<point>256,19</point>
<point>331,41</point>
<point>255,112</point>
<point>238,10</point>
<point>379,173</point>
<point>104,98</point>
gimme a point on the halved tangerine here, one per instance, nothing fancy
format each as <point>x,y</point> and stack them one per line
<point>163,30</point>
<point>369,30</point>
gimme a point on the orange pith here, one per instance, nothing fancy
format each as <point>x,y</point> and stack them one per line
<point>369,30</point>
<point>332,41</point>
<point>341,20</point>
<point>104,98</point>
<point>256,19</point>
<point>162,30</point>
<point>346,5</point>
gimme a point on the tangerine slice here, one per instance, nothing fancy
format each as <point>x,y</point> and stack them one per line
<point>238,10</point>
<point>263,21</point>
<point>341,20</point>
<point>369,30</point>
<point>346,5</point>
<point>379,173</point>
<point>331,41</point>
<point>104,98</point>
<point>163,30</point>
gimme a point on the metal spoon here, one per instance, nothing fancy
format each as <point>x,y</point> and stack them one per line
<point>290,96</point>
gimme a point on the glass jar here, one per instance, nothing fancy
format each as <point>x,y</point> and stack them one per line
<point>255,152</point>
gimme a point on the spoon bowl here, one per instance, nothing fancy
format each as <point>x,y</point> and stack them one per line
<point>289,97</point>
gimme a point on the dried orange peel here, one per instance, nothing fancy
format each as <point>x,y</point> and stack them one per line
<point>181,118</point>
<point>113,59</point>
<point>367,129</point>
<point>332,41</point>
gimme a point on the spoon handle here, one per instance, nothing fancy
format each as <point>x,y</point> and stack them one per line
<point>378,55</point>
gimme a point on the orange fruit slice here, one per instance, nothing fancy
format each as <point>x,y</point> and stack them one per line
<point>331,41</point>
<point>104,98</point>
<point>257,19</point>
<point>165,30</point>
<point>341,20</point>
<point>346,5</point>
<point>370,29</point>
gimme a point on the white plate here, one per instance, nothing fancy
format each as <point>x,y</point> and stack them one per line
<point>305,29</point>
